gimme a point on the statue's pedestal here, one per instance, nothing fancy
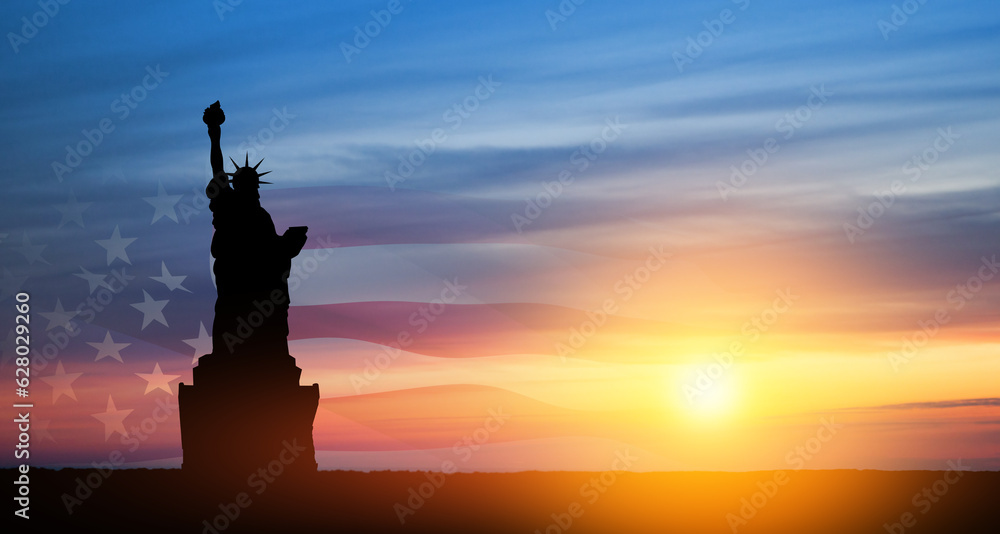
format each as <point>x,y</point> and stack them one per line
<point>247,418</point>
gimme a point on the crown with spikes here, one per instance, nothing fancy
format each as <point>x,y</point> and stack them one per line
<point>246,172</point>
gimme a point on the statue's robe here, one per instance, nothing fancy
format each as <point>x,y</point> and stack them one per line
<point>251,269</point>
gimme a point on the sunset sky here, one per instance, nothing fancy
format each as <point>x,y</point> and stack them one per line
<point>727,235</point>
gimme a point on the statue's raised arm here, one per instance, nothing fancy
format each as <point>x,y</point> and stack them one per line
<point>214,117</point>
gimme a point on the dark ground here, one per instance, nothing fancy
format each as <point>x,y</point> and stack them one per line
<point>842,502</point>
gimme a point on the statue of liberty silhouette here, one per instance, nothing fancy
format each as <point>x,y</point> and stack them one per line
<point>245,410</point>
<point>252,261</point>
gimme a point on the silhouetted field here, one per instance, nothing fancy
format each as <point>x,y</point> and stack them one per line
<point>842,502</point>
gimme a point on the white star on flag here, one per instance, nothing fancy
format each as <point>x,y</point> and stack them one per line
<point>172,282</point>
<point>113,419</point>
<point>157,380</point>
<point>164,204</point>
<point>61,382</point>
<point>202,344</point>
<point>72,211</point>
<point>10,284</point>
<point>108,347</point>
<point>112,171</point>
<point>32,253</point>
<point>93,280</point>
<point>152,310</point>
<point>58,317</point>
<point>40,430</point>
<point>115,245</point>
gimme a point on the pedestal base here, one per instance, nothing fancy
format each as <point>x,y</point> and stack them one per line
<point>241,417</point>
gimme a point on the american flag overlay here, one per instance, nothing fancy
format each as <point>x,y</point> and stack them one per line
<point>724,236</point>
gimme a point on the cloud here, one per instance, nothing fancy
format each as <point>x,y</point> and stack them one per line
<point>960,403</point>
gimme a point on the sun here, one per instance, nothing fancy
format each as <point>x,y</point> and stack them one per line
<point>716,400</point>
<point>702,395</point>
